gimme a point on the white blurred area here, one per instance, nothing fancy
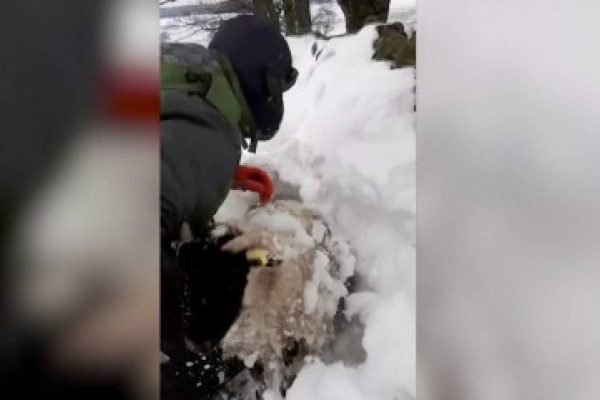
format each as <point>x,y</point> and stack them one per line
<point>86,252</point>
<point>508,182</point>
<point>89,251</point>
<point>132,34</point>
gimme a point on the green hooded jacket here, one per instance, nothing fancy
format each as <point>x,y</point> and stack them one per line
<point>204,119</point>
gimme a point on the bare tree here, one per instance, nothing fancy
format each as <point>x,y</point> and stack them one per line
<point>303,16</point>
<point>289,17</point>
<point>324,21</point>
<point>297,17</point>
<point>205,15</point>
<point>358,13</point>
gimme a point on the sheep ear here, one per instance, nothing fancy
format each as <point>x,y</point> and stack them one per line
<point>185,233</point>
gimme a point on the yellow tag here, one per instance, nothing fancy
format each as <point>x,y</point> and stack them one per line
<point>259,256</point>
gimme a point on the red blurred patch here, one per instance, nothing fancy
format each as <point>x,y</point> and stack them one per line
<point>130,96</point>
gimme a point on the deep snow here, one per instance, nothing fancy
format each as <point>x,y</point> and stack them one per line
<point>348,142</point>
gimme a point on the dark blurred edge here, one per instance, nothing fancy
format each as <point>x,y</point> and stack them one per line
<point>49,78</point>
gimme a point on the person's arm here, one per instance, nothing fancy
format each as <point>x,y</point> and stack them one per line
<point>199,157</point>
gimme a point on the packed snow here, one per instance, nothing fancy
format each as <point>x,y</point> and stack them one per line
<point>347,142</point>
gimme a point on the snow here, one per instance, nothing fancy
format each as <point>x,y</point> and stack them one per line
<point>235,208</point>
<point>283,223</point>
<point>397,5</point>
<point>310,297</point>
<point>190,29</point>
<point>348,142</point>
<point>403,11</point>
<point>328,18</point>
<point>388,373</point>
<point>178,3</point>
<point>250,360</point>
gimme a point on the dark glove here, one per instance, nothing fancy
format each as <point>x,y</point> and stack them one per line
<point>215,283</point>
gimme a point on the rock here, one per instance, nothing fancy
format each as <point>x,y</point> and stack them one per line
<point>394,45</point>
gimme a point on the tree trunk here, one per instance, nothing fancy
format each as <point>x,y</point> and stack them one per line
<point>290,17</point>
<point>266,9</point>
<point>297,17</point>
<point>303,16</point>
<point>358,13</point>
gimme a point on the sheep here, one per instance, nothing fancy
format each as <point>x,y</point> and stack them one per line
<point>288,309</point>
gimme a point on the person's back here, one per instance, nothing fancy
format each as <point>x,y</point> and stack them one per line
<point>212,100</point>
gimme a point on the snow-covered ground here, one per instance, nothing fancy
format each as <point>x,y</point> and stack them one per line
<point>348,142</point>
<point>403,11</point>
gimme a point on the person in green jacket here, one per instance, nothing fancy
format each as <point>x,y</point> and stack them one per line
<point>214,102</point>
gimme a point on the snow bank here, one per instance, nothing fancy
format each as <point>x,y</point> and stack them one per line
<point>348,142</point>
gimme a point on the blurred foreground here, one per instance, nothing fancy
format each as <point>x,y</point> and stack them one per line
<point>79,200</point>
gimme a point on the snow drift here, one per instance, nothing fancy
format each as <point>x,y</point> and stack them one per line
<point>348,143</point>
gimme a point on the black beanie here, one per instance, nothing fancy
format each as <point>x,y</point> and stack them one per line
<point>258,53</point>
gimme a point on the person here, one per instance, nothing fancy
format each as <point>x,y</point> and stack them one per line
<point>213,102</point>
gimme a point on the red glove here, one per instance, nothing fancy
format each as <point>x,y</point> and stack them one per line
<point>254,179</point>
